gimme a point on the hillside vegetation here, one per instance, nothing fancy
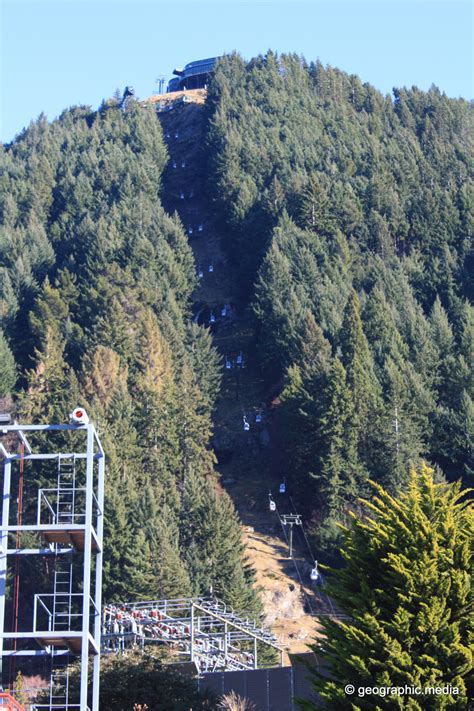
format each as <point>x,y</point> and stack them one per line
<point>348,216</point>
<point>95,286</point>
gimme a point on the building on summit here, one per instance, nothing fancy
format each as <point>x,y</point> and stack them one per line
<point>195,75</point>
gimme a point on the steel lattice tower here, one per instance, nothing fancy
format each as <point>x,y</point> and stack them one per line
<point>67,517</point>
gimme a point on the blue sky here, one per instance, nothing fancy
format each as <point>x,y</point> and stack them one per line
<point>57,53</point>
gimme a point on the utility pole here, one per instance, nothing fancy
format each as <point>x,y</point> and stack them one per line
<point>160,82</point>
<point>291,520</point>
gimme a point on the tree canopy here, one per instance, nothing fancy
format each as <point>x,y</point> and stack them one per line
<point>405,588</point>
<point>94,302</point>
<point>348,221</point>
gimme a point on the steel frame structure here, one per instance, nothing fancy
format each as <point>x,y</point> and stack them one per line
<point>69,519</point>
<point>290,520</point>
<point>204,630</point>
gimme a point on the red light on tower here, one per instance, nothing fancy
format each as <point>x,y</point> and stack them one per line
<point>79,416</point>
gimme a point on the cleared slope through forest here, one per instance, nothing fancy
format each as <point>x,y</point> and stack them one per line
<point>247,460</point>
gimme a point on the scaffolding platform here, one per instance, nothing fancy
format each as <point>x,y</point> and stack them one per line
<point>69,521</point>
<point>69,640</point>
<point>63,535</point>
<point>70,535</point>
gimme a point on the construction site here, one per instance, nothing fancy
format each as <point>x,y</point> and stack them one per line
<point>53,506</point>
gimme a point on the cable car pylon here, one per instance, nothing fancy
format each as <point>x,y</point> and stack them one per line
<point>291,520</point>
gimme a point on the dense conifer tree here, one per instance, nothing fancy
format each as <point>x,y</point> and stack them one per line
<point>341,475</point>
<point>370,199</point>
<point>95,288</point>
<point>316,207</point>
<point>144,681</point>
<point>405,587</point>
<point>328,195</point>
<point>8,374</point>
<point>52,384</point>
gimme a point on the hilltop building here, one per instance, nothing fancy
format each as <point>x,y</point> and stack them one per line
<point>195,75</point>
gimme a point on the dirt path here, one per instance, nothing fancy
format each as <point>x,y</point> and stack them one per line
<point>247,460</point>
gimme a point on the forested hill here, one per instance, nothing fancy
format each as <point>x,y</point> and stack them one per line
<point>349,218</point>
<point>345,216</point>
<point>95,286</point>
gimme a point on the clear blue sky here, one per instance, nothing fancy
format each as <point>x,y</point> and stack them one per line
<point>57,53</point>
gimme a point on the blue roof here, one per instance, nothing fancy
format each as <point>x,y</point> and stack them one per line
<point>201,66</point>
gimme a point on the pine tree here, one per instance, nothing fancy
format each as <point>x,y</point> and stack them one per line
<point>9,303</point>
<point>205,362</point>
<point>191,505</point>
<point>104,377</point>
<point>299,399</point>
<point>381,330</point>
<point>119,527</point>
<point>443,340</point>
<point>118,536</point>
<point>137,566</point>
<point>8,374</point>
<point>277,307</point>
<point>403,428</point>
<point>115,329</point>
<point>315,207</point>
<point>405,588</point>
<point>361,378</point>
<point>454,437</point>
<point>465,366</point>
<point>341,476</point>
<point>311,349</point>
<point>52,386</point>
<point>171,572</point>
<point>49,310</point>
<point>153,515</point>
<point>216,554</point>
<point>298,422</point>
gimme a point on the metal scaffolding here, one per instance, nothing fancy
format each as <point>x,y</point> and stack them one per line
<point>205,631</point>
<point>64,519</point>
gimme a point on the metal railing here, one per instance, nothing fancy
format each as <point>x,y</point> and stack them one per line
<point>7,700</point>
<point>62,607</point>
<point>64,505</point>
<point>211,633</point>
<point>57,707</point>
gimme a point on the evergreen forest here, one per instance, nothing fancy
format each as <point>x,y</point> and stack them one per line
<point>95,286</point>
<point>348,216</point>
<point>347,219</point>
